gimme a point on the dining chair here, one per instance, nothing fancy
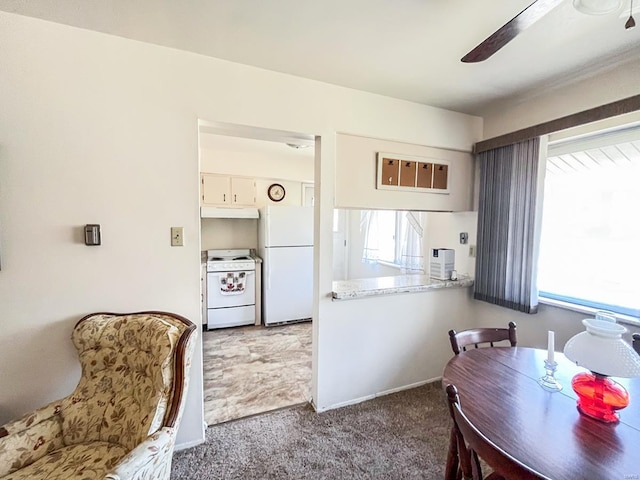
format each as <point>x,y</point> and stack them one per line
<point>468,445</point>
<point>477,336</point>
<point>636,342</point>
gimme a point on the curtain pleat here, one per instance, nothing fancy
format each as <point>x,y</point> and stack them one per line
<point>506,226</point>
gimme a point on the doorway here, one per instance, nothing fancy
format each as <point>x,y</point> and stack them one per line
<point>253,369</point>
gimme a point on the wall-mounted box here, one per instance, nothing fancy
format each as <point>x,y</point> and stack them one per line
<point>410,173</point>
<point>92,235</point>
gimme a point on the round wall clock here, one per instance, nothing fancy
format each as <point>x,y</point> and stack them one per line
<point>276,192</point>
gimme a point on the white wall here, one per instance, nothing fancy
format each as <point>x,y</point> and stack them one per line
<point>227,233</point>
<point>552,103</point>
<point>532,329</point>
<point>257,158</point>
<point>540,106</point>
<point>97,128</point>
<point>400,340</point>
<point>443,231</point>
<point>267,162</point>
<point>356,176</point>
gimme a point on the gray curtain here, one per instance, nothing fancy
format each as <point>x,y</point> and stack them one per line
<point>505,258</point>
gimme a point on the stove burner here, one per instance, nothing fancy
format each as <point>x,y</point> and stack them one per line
<point>216,258</point>
<point>241,258</point>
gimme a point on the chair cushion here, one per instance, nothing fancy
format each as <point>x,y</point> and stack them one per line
<point>87,461</point>
<point>27,446</point>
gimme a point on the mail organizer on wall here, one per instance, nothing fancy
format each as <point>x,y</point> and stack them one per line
<point>409,173</point>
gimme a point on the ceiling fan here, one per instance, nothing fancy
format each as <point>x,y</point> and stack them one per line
<point>534,12</point>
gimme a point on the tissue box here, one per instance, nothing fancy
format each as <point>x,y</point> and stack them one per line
<point>443,262</point>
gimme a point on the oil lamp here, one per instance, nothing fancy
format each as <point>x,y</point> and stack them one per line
<point>602,350</point>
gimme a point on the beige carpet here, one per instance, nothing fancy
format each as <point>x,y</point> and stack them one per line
<point>398,436</point>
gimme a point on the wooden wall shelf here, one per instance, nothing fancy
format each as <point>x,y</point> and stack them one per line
<point>411,173</point>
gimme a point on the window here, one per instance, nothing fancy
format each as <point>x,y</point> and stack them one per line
<point>589,247</point>
<point>389,229</point>
<point>394,237</point>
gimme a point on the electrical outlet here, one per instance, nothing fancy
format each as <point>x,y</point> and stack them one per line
<point>177,236</point>
<point>472,250</point>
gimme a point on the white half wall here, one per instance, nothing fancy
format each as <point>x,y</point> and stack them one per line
<point>100,129</point>
<point>399,340</point>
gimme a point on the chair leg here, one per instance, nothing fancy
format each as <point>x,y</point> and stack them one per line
<point>476,469</point>
<point>465,459</point>
<point>451,471</point>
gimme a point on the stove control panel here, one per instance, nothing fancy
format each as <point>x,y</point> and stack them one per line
<point>230,266</point>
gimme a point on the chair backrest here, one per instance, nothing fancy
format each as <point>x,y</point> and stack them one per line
<point>636,342</point>
<point>473,444</point>
<point>134,376</point>
<point>476,336</point>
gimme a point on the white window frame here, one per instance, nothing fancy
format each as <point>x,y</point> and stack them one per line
<point>587,142</point>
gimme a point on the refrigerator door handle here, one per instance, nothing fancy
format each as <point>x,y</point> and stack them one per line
<point>267,265</point>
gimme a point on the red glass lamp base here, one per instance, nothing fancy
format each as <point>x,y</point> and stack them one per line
<point>599,397</point>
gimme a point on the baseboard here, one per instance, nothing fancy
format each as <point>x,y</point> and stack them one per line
<point>185,445</point>
<point>375,395</point>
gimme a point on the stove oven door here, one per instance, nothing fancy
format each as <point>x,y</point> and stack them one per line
<point>231,298</point>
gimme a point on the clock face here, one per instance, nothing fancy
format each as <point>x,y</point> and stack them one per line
<point>276,192</point>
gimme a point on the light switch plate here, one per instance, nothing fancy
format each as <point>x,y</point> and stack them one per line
<point>472,250</point>
<point>177,236</point>
<point>464,236</point>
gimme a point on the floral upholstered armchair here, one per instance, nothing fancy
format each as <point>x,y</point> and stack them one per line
<point>121,420</point>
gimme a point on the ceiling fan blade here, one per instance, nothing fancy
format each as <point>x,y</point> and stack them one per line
<point>534,12</point>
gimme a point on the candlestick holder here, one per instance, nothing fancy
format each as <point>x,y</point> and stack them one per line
<point>549,382</point>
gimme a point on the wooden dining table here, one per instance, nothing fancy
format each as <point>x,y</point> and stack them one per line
<point>500,394</point>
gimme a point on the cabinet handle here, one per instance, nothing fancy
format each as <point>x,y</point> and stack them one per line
<point>235,200</point>
<point>224,197</point>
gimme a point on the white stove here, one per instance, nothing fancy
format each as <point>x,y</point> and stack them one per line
<point>229,260</point>
<point>230,288</point>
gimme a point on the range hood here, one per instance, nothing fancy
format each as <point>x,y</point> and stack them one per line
<point>228,212</point>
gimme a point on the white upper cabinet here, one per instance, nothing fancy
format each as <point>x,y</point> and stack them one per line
<point>243,191</point>
<point>228,191</point>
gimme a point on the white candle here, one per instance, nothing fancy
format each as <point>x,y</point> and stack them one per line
<point>550,346</point>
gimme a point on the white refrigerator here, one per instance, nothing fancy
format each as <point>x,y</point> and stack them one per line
<point>285,243</point>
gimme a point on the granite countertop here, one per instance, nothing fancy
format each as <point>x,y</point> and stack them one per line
<point>366,287</point>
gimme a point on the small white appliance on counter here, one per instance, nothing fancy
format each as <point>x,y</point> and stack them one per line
<point>230,288</point>
<point>443,262</point>
<point>285,243</point>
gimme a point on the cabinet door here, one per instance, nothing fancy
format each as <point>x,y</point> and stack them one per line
<point>243,191</point>
<point>216,190</point>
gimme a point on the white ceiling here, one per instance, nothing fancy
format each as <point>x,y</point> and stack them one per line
<point>408,49</point>
<point>256,147</point>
